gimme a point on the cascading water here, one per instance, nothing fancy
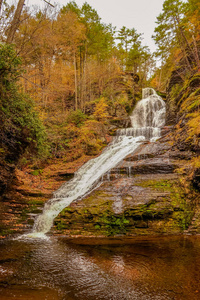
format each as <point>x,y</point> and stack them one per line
<point>146,119</point>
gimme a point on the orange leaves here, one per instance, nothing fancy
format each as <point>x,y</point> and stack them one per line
<point>69,31</point>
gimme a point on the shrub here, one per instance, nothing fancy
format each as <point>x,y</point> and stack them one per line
<point>76,117</point>
<point>20,127</point>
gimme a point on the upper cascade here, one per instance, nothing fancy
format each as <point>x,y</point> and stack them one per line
<point>148,92</point>
<point>150,111</point>
<point>148,116</point>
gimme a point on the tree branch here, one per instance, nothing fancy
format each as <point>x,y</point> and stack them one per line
<point>48,3</point>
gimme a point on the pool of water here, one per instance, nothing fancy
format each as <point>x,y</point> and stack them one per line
<point>90,269</point>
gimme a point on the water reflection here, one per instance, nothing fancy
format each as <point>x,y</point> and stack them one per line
<point>159,268</point>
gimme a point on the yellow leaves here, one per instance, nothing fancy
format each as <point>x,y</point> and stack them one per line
<point>194,125</point>
<point>101,112</point>
<point>190,102</point>
<point>95,126</point>
<point>155,82</point>
<point>88,139</point>
<point>196,162</point>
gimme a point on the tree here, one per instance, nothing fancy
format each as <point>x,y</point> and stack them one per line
<point>15,22</point>
<point>100,112</point>
<point>1,2</point>
<point>129,39</point>
<point>71,34</point>
<point>170,33</point>
<point>97,45</point>
<point>192,25</point>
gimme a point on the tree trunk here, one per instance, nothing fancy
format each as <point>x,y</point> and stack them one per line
<point>196,52</point>
<point>181,40</point>
<point>193,52</point>
<point>15,22</point>
<point>84,82</point>
<point>75,81</point>
<point>81,81</point>
<point>1,2</point>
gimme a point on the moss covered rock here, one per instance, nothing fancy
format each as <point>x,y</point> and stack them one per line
<point>136,203</point>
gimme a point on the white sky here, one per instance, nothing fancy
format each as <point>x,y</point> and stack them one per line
<point>140,14</point>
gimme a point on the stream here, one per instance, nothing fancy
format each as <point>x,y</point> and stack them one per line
<point>93,269</point>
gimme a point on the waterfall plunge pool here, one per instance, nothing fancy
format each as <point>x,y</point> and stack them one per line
<point>106,269</point>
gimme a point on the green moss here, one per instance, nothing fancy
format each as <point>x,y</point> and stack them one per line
<point>6,232</point>
<point>172,213</point>
<point>180,209</point>
<point>61,225</point>
<point>114,224</point>
<point>36,172</point>
<point>97,227</point>
<point>31,208</point>
<point>36,201</point>
<point>155,184</point>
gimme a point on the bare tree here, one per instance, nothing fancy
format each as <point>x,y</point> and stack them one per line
<point>15,22</point>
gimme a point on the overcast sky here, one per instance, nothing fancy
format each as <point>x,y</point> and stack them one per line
<point>140,14</point>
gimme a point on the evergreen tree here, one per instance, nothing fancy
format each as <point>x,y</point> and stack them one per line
<point>171,33</point>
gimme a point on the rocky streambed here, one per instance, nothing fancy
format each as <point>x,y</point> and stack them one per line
<point>145,194</point>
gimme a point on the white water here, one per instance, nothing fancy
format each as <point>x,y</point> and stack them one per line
<point>147,118</point>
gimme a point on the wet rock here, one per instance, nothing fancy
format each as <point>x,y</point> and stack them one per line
<point>182,155</point>
<point>166,130</point>
<point>141,224</point>
<point>149,150</point>
<point>142,195</point>
<point>120,123</point>
<point>146,166</point>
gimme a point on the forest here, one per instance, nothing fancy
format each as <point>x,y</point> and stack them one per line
<point>68,63</point>
<point>99,153</point>
<point>68,81</point>
<point>70,75</point>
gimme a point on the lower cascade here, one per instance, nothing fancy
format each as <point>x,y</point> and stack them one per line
<point>147,119</point>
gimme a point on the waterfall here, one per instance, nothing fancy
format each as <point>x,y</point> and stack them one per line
<point>147,118</point>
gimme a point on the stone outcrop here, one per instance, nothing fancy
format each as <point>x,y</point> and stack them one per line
<point>143,195</point>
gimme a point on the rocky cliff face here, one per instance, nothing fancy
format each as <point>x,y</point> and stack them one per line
<point>186,133</point>
<point>144,195</point>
